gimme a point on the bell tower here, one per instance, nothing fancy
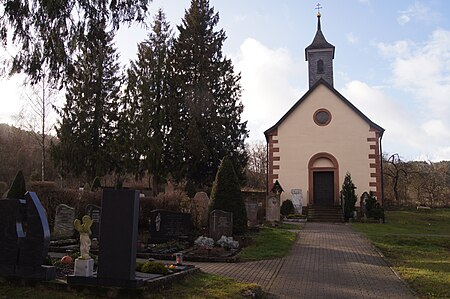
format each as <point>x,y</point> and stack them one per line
<point>320,55</point>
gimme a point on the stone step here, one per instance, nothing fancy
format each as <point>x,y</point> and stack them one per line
<point>325,214</point>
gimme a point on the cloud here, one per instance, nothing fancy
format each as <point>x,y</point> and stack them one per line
<point>386,112</point>
<point>422,71</point>
<point>351,38</point>
<point>268,92</point>
<point>11,99</point>
<point>418,12</point>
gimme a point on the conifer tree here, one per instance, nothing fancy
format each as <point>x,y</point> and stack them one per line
<point>208,92</point>
<point>149,95</point>
<point>226,195</point>
<point>348,196</point>
<point>88,122</point>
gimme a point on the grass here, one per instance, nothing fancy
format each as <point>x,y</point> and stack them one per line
<point>208,286</point>
<point>270,243</point>
<point>417,243</point>
<point>200,285</point>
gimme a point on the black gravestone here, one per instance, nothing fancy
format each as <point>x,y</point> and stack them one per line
<point>169,225</point>
<point>94,212</point>
<point>32,234</point>
<point>9,243</point>
<point>118,235</point>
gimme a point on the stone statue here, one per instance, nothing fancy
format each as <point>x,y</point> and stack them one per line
<point>85,230</point>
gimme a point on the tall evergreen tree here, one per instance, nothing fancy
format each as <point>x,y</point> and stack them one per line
<point>226,195</point>
<point>149,92</point>
<point>209,93</point>
<point>89,118</point>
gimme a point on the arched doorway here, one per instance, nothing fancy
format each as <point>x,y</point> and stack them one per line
<point>323,180</point>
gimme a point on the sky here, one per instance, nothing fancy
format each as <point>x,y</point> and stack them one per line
<point>392,61</point>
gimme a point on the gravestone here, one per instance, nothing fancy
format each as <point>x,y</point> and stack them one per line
<point>118,235</point>
<point>24,239</point>
<point>273,208</point>
<point>220,224</point>
<point>251,206</point>
<point>201,206</point>
<point>297,200</point>
<point>64,217</point>
<point>169,225</point>
<point>94,212</point>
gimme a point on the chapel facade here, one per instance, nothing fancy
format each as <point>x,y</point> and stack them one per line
<point>322,137</point>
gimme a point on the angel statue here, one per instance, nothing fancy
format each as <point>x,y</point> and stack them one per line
<point>85,230</point>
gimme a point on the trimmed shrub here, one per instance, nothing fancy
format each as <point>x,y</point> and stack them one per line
<point>348,196</point>
<point>374,209</point>
<point>153,267</point>
<point>287,208</point>
<point>226,195</point>
<point>18,189</point>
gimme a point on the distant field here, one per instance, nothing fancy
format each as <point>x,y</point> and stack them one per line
<point>417,243</point>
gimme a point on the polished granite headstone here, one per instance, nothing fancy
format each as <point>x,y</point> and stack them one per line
<point>25,238</point>
<point>169,225</point>
<point>118,235</point>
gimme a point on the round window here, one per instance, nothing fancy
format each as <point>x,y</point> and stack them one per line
<point>322,117</point>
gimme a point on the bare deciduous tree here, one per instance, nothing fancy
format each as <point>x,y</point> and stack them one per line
<point>256,165</point>
<point>36,114</point>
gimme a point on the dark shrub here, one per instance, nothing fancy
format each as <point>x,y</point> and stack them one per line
<point>3,188</point>
<point>348,196</point>
<point>96,184</point>
<point>287,208</point>
<point>190,189</point>
<point>226,195</point>
<point>18,189</point>
<point>374,209</point>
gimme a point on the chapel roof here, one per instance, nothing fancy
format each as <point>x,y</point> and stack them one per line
<point>372,125</point>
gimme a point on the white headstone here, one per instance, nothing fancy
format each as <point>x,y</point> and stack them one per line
<point>297,200</point>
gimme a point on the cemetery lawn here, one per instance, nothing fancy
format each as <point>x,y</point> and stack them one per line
<point>199,285</point>
<point>270,243</point>
<point>417,244</point>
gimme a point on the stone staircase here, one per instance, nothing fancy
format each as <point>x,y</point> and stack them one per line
<point>325,214</point>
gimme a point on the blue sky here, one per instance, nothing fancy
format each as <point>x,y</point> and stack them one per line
<point>392,61</point>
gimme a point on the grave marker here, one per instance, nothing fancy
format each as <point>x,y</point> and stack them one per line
<point>24,238</point>
<point>169,225</point>
<point>64,217</point>
<point>220,224</point>
<point>94,212</point>
<point>297,200</point>
<point>251,206</point>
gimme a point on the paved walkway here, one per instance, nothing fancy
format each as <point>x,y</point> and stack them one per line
<point>327,261</point>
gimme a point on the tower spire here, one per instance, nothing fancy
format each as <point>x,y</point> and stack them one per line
<point>319,55</point>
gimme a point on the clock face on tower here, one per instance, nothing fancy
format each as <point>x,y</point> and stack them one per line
<point>322,117</point>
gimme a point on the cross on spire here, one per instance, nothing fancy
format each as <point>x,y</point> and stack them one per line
<point>318,7</point>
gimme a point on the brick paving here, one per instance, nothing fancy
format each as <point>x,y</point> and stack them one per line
<point>327,261</point>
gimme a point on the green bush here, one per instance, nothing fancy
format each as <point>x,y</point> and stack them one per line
<point>226,195</point>
<point>287,207</point>
<point>18,189</point>
<point>348,196</point>
<point>152,267</point>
